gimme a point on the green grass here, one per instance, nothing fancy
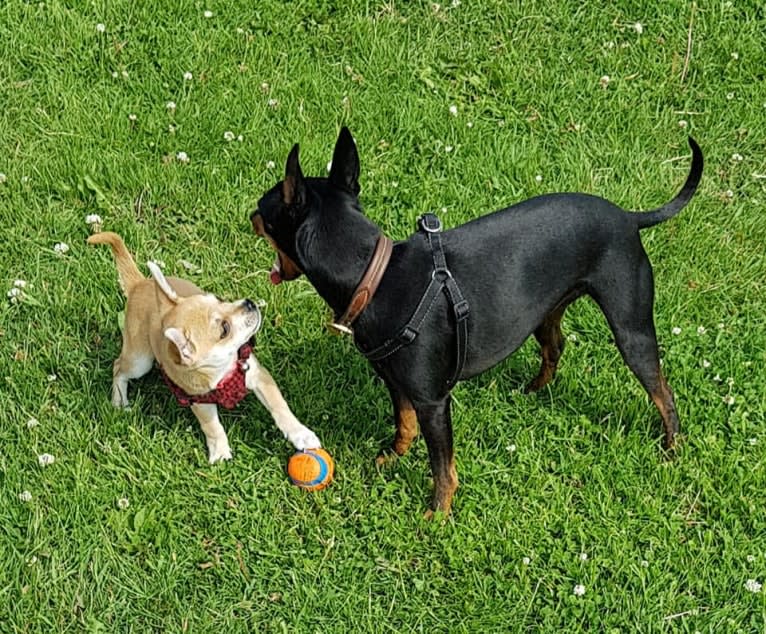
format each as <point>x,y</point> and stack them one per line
<point>575,469</point>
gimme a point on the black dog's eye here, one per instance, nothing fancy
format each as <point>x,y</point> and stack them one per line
<point>225,329</point>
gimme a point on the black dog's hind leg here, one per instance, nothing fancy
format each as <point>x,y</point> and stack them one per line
<point>628,309</point>
<point>436,425</point>
<point>406,423</point>
<point>548,335</point>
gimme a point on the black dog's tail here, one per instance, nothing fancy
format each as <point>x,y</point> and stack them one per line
<point>656,216</point>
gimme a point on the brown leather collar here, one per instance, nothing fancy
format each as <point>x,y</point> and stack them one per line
<point>367,286</point>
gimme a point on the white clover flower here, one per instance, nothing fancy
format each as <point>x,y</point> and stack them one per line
<point>124,73</point>
<point>61,247</point>
<point>736,157</point>
<point>32,423</point>
<point>604,81</point>
<point>469,124</point>
<point>208,14</point>
<point>751,585</point>
<point>32,560</point>
<point>19,283</point>
<point>676,330</point>
<point>240,30</point>
<point>265,86</point>
<point>721,325</point>
<point>752,441</point>
<point>228,136</point>
<point>448,148</point>
<point>730,95</point>
<point>682,123</point>
<point>730,381</point>
<point>123,503</point>
<point>93,219</point>
<point>273,103</point>
<point>735,55</point>
<point>25,496</point>
<point>539,178</point>
<point>46,459</point>
<point>240,138</point>
<point>701,330</point>
<point>511,448</point>
<point>526,561</point>
<point>705,363</point>
<point>115,74</point>
<point>183,157</point>
<point>132,117</point>
<point>579,590</point>
<point>3,178</point>
<point>188,76</point>
<point>717,377</point>
<point>453,110</point>
<point>729,193</point>
<point>171,105</point>
<point>101,28</point>
<point>728,400</point>
<point>270,165</point>
<point>583,556</point>
<point>644,563</point>
<point>750,559</point>
<point>572,337</point>
<point>638,28</point>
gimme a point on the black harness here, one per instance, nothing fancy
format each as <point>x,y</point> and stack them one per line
<point>441,280</point>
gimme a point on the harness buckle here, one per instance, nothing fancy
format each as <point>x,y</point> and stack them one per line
<point>430,223</point>
<point>462,309</point>
<point>408,335</point>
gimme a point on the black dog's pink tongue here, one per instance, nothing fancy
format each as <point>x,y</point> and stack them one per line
<point>275,277</point>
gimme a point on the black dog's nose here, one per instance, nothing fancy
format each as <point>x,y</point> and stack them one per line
<point>250,305</point>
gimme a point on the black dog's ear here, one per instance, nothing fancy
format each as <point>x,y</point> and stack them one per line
<point>294,186</point>
<point>344,172</point>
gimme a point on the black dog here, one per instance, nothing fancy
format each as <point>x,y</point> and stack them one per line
<point>451,305</point>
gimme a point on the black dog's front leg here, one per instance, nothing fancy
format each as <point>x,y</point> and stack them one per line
<point>436,424</point>
<point>406,423</point>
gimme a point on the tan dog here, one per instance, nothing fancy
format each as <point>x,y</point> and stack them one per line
<point>196,339</point>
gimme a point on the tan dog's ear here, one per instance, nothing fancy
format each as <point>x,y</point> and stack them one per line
<point>183,344</point>
<point>159,278</point>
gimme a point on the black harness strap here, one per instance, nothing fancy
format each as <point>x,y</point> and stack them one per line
<point>441,279</point>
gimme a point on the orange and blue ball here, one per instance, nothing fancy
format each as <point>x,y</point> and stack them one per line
<point>311,469</point>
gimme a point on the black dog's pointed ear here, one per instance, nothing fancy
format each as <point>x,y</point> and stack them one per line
<point>293,187</point>
<point>344,172</point>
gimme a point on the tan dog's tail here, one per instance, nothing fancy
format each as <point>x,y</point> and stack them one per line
<point>126,267</point>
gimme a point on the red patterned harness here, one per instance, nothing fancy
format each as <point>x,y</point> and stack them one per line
<point>229,391</point>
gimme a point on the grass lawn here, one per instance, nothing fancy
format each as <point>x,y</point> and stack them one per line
<point>169,123</point>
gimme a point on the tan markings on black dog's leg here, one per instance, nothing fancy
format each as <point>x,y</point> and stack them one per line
<point>436,426</point>
<point>406,427</point>
<point>548,334</point>
<point>662,396</point>
<point>406,423</point>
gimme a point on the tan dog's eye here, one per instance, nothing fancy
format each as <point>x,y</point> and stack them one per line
<point>225,329</point>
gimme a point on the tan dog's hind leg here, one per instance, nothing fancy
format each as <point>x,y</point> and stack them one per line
<point>260,382</point>
<point>217,441</point>
<point>127,367</point>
